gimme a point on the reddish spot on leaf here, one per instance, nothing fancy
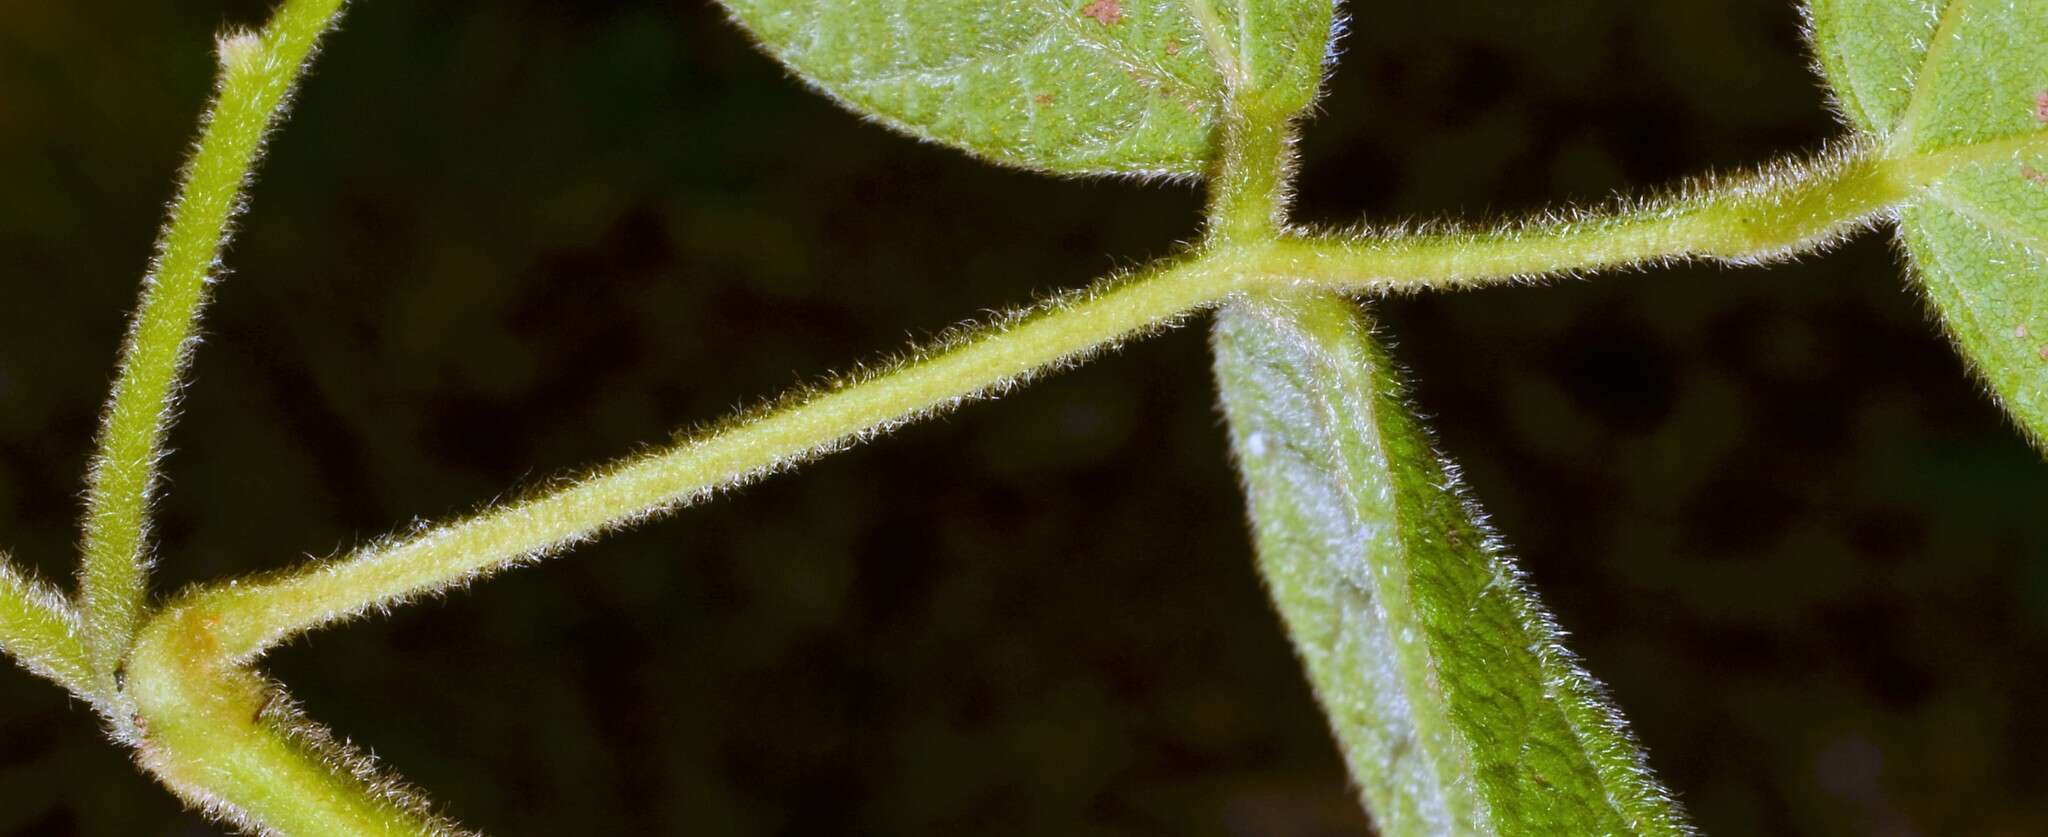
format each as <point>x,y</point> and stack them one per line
<point>1172,47</point>
<point>2033,175</point>
<point>1042,99</point>
<point>2043,351</point>
<point>2041,106</point>
<point>1105,12</point>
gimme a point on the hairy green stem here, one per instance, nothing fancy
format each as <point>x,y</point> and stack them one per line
<point>1248,192</point>
<point>254,616</point>
<point>257,73</point>
<point>1782,210</point>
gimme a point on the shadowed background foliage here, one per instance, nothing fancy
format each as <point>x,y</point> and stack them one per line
<point>503,240</point>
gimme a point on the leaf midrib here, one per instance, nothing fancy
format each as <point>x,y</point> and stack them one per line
<point>1925,76</point>
<point>1345,436</point>
<point>1228,65</point>
<point>1356,376</point>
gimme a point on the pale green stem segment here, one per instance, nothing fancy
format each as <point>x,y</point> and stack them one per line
<point>1782,211</point>
<point>1456,706</point>
<point>1248,190</point>
<point>41,629</point>
<point>254,616</point>
<point>257,73</point>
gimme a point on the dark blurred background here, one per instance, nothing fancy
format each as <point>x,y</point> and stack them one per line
<point>503,240</point>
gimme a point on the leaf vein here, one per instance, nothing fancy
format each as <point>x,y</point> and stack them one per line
<point>1991,220</point>
<point>1928,73</point>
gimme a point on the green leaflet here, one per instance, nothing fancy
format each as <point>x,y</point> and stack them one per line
<point>1920,78</point>
<point>1072,86</point>
<point>1458,710</point>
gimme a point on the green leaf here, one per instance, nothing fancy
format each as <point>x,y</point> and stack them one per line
<point>1922,79</point>
<point>1072,86</point>
<point>1458,709</point>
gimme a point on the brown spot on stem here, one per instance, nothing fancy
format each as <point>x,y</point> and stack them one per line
<point>1105,12</point>
<point>2041,106</point>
